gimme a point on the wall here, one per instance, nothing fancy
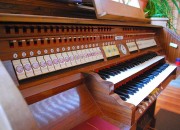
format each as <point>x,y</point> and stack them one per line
<point>176,20</point>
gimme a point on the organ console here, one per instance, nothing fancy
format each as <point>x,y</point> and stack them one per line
<point>69,70</point>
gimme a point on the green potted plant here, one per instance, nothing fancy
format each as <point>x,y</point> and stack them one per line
<point>156,9</point>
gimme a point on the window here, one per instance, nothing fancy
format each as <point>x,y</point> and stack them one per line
<point>120,1</point>
<point>133,3</point>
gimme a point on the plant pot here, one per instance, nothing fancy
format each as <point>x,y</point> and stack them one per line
<point>143,4</point>
<point>159,21</point>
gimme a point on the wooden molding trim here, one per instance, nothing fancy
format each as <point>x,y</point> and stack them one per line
<point>5,17</point>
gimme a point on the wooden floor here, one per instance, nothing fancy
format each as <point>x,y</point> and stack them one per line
<point>169,99</point>
<point>167,113</point>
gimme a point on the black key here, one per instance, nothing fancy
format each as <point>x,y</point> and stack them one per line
<point>121,93</point>
<point>133,86</point>
<point>133,89</point>
<point>129,92</point>
<point>137,85</point>
<point>103,77</point>
<point>122,88</point>
<point>116,70</point>
<point>107,72</point>
<point>144,81</point>
<point>104,74</point>
<point>135,82</point>
<point>113,71</point>
<point>122,97</point>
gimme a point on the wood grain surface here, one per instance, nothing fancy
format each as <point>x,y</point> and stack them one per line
<point>169,98</point>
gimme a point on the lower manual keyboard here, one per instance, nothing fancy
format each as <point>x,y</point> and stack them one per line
<point>139,88</point>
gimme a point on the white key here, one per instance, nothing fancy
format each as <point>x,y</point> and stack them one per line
<point>61,60</point>
<point>19,69</point>
<point>77,57</point>
<point>134,70</point>
<point>49,63</point>
<point>55,61</point>
<point>67,59</point>
<point>42,64</point>
<point>148,88</point>
<point>35,66</point>
<point>72,58</point>
<point>27,67</point>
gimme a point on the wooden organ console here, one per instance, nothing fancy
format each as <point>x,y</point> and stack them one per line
<point>69,70</point>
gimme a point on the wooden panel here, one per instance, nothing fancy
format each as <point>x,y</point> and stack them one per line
<point>13,104</point>
<point>167,36</point>
<point>42,91</point>
<point>110,104</point>
<point>121,125</point>
<point>65,110</point>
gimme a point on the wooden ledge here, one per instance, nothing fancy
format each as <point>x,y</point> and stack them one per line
<point>6,17</point>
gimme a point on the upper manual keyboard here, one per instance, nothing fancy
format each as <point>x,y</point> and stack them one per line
<point>123,70</point>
